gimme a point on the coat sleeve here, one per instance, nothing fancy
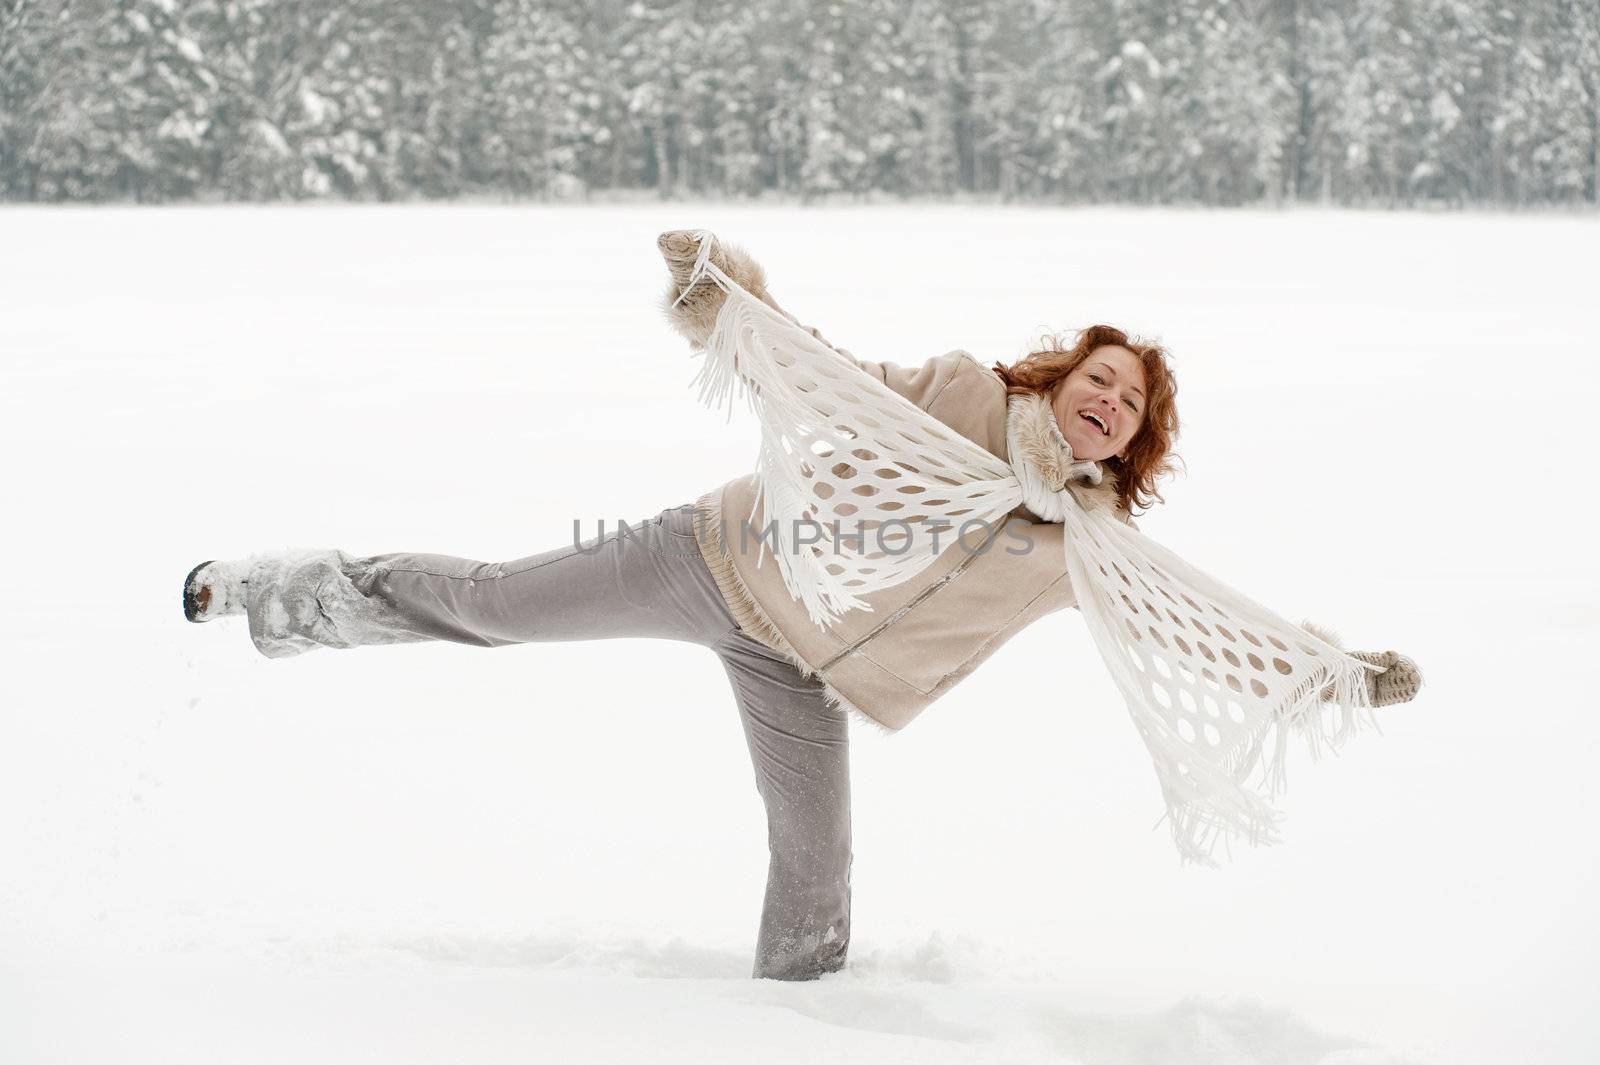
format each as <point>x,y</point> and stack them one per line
<point>919,384</point>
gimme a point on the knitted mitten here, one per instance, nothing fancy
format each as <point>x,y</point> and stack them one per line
<point>1399,681</point>
<point>696,313</point>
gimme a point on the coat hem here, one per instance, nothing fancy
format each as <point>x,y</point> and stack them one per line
<point>749,616</point>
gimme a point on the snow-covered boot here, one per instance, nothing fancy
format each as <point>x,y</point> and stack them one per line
<point>213,590</point>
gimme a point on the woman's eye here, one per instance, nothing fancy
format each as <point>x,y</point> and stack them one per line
<point>1097,379</point>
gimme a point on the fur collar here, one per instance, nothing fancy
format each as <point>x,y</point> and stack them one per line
<point>1042,460</point>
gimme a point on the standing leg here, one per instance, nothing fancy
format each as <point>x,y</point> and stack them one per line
<point>801,751</point>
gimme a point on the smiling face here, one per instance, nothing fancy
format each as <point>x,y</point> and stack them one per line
<point>1100,405</point>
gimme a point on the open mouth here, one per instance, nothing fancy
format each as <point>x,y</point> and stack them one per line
<point>1097,421</point>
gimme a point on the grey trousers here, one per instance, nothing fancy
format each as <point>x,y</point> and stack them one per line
<point>640,580</point>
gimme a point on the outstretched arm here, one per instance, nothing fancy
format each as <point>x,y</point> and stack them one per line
<point>696,313</point>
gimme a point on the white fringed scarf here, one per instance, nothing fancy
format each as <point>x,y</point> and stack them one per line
<point>1215,682</point>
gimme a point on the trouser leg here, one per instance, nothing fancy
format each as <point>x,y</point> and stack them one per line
<point>649,582</point>
<point>645,581</point>
<point>801,752</point>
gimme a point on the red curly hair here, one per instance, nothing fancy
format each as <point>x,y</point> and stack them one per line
<point>1150,454</point>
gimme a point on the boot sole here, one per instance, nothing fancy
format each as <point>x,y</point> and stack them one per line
<point>191,604</point>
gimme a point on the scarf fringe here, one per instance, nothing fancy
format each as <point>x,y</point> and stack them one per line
<point>1212,796</point>
<point>792,381</point>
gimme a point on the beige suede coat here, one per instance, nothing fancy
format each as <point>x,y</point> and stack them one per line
<point>923,636</point>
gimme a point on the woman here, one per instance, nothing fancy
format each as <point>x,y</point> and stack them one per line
<point>1097,418</point>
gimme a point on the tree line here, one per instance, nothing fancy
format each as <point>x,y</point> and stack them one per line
<point>1357,102</point>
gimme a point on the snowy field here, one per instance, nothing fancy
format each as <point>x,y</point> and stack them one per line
<point>555,853</point>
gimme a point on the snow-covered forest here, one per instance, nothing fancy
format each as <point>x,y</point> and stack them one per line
<point>1091,101</point>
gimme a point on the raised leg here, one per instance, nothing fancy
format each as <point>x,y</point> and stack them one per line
<point>643,581</point>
